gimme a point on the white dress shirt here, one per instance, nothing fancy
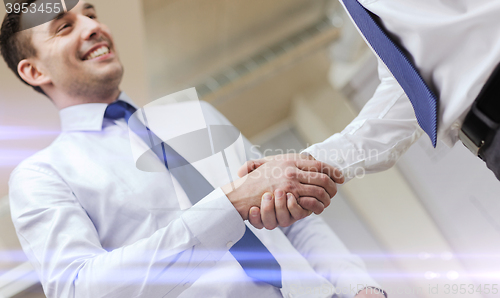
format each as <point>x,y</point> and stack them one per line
<point>455,45</point>
<point>93,225</point>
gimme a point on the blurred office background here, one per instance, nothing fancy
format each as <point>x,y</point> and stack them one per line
<point>287,73</point>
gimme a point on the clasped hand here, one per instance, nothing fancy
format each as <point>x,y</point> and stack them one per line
<point>281,189</point>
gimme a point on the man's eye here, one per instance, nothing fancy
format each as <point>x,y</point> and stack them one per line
<point>64,26</point>
<point>92,16</point>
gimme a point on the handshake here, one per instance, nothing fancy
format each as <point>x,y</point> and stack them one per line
<point>281,189</point>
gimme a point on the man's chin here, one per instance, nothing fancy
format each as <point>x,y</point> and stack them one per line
<point>109,74</point>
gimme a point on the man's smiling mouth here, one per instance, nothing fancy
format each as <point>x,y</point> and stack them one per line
<point>101,51</point>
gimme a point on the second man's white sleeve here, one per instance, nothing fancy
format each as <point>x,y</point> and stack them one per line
<point>384,129</point>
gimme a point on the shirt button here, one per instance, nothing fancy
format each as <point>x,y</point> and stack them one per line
<point>229,244</point>
<point>340,160</point>
<point>456,126</point>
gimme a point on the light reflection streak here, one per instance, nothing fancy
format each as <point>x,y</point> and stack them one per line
<point>252,255</point>
<point>24,132</point>
<point>10,157</point>
<point>175,275</point>
<point>134,271</point>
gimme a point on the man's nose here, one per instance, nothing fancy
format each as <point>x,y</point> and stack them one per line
<point>91,28</point>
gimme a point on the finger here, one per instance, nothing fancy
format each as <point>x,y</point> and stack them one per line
<point>254,217</point>
<point>283,216</point>
<point>296,211</point>
<point>317,206</point>
<point>250,166</point>
<point>317,166</point>
<point>267,211</point>
<point>311,204</point>
<point>305,155</point>
<point>318,179</point>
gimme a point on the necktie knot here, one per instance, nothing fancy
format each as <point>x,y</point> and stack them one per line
<point>119,109</point>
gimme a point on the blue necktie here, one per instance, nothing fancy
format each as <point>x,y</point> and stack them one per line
<point>422,98</point>
<point>249,251</point>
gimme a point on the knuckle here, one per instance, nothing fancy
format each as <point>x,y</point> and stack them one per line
<point>325,180</point>
<point>319,192</point>
<point>317,164</point>
<point>307,203</point>
<point>289,186</point>
<point>326,195</point>
<point>291,173</point>
<point>280,202</point>
<point>328,171</point>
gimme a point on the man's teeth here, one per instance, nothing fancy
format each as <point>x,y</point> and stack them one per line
<point>99,52</point>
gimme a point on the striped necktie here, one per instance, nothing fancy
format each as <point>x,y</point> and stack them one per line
<point>423,100</point>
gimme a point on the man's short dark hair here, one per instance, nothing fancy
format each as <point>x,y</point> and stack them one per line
<point>16,45</point>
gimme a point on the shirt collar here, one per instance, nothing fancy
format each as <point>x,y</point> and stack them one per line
<point>88,116</point>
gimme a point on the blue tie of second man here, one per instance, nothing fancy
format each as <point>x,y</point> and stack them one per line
<point>255,259</point>
<point>423,100</point>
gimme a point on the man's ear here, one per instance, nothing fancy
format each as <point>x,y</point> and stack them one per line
<point>31,74</point>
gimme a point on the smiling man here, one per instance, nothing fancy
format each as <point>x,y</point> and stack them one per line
<point>83,66</point>
<point>93,225</point>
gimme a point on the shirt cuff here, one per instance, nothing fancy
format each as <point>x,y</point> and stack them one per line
<point>215,222</point>
<point>335,151</point>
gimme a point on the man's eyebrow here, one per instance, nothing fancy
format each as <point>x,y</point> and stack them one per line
<point>59,16</point>
<point>88,6</point>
